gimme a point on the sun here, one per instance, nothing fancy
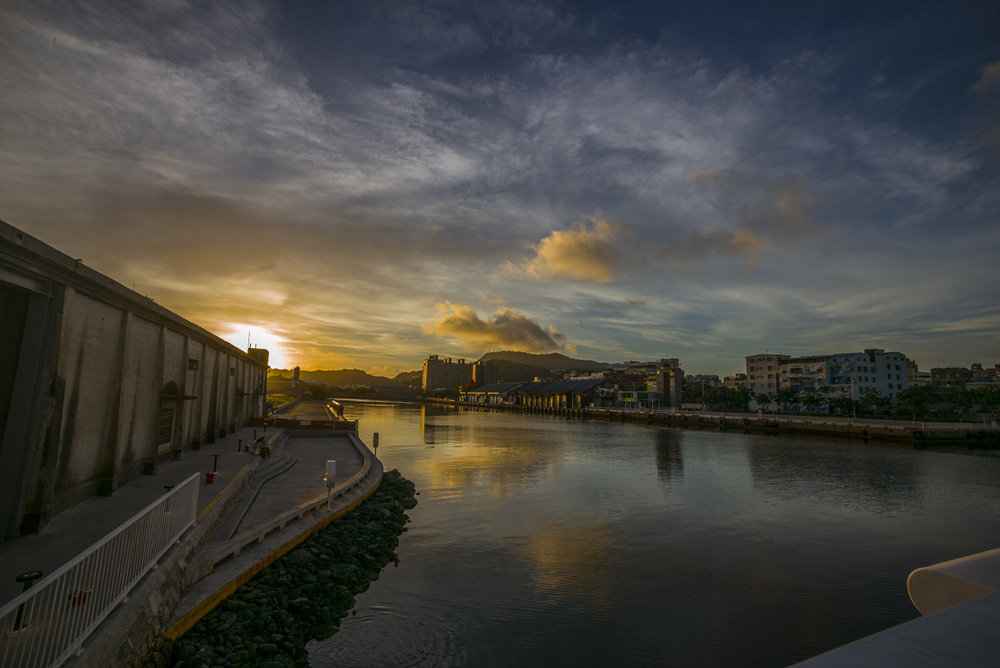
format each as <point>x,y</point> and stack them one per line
<point>248,336</point>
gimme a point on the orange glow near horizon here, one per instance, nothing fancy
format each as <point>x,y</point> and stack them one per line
<point>239,335</point>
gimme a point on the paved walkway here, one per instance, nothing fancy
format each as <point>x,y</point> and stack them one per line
<point>73,531</point>
<point>303,481</point>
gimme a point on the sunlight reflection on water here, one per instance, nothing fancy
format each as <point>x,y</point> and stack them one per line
<point>540,541</point>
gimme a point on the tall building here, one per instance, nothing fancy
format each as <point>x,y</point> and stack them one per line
<point>669,381</point>
<point>444,374</point>
<point>763,374</point>
<point>485,373</point>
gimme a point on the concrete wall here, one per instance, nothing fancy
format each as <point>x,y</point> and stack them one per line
<point>99,384</point>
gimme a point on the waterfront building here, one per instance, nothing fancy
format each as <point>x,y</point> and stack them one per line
<point>494,394</point>
<point>736,382</point>
<point>558,395</point>
<point>485,373</point>
<point>822,379</point>
<point>444,374</point>
<point>951,377</point>
<point>762,378</point>
<point>669,382</point>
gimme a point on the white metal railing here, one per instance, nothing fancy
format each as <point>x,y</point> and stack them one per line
<point>47,624</point>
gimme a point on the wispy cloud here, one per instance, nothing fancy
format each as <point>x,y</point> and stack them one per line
<point>356,165</point>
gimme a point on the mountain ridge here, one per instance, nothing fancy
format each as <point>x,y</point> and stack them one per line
<point>513,365</point>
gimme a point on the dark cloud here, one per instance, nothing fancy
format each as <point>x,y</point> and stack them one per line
<point>618,305</point>
<point>506,329</point>
<point>355,163</point>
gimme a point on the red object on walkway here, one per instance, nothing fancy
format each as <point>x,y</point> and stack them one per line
<point>209,477</point>
<point>79,597</point>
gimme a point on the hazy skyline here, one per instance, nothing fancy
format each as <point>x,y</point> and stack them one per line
<point>361,184</point>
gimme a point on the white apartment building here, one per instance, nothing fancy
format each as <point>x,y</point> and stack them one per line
<point>763,376</point>
<point>832,376</point>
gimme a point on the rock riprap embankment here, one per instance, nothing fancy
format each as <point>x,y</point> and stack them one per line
<point>304,594</point>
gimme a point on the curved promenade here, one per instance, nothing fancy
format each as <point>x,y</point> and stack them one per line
<point>250,512</point>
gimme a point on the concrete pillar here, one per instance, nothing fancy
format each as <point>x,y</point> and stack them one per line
<point>107,480</point>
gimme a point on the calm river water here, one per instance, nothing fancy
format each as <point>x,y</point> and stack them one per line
<point>546,542</point>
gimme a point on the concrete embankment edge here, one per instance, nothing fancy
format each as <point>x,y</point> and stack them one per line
<point>191,618</point>
<point>921,434</point>
<point>143,619</point>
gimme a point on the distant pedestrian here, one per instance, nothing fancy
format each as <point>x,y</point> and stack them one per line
<point>260,448</point>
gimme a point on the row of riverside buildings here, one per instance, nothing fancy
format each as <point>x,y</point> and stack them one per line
<point>630,384</point>
<point>843,375</point>
<point>658,384</point>
<point>819,381</point>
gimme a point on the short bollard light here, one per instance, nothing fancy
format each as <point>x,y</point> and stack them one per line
<point>28,579</point>
<point>239,445</point>
<point>330,479</point>
<point>215,464</point>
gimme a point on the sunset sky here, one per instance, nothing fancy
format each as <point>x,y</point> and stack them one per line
<point>362,184</point>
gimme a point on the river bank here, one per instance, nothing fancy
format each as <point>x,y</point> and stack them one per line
<point>921,434</point>
<point>304,594</point>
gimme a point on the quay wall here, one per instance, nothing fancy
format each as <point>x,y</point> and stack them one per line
<point>919,434</point>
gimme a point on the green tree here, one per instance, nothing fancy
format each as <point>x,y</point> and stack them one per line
<point>872,400</point>
<point>812,399</point>
<point>988,398</point>
<point>847,405</point>
<point>787,397</point>
<point>737,399</point>
<point>962,399</point>
<point>916,399</point>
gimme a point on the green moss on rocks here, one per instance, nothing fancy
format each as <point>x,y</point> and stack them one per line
<point>303,595</point>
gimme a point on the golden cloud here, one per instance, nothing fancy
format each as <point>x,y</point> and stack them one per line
<point>739,242</point>
<point>582,252</point>
<point>778,207</point>
<point>506,328</point>
<point>989,79</point>
<point>757,211</point>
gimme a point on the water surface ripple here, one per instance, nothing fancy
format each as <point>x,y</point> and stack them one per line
<point>544,541</point>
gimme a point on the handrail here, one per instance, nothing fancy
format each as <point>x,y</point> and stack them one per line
<point>47,624</point>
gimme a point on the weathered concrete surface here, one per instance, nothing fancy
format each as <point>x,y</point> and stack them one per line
<point>167,597</point>
<point>100,384</point>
